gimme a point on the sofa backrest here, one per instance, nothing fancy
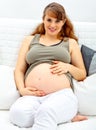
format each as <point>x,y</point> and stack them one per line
<point>86,32</point>
<point>13,31</point>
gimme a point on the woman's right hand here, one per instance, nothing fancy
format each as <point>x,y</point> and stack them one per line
<point>31,91</point>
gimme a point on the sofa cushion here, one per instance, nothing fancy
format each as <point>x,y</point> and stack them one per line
<point>89,57</point>
<point>89,124</point>
<point>86,94</point>
<point>8,91</point>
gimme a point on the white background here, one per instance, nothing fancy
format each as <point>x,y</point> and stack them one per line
<point>77,10</point>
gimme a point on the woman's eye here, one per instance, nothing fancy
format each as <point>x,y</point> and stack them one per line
<point>49,20</point>
<point>57,21</point>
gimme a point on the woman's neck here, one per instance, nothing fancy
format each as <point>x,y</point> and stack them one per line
<point>49,40</point>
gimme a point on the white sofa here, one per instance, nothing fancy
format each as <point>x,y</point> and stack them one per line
<point>12,32</point>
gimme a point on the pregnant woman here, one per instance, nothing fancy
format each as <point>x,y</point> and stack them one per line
<point>48,61</point>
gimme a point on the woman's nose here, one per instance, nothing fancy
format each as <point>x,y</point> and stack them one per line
<point>53,24</point>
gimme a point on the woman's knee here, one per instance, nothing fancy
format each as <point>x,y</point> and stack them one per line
<point>20,117</point>
<point>23,110</point>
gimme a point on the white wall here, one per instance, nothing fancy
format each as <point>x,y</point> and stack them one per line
<point>77,10</point>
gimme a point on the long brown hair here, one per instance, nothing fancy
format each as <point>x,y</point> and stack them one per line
<point>57,11</point>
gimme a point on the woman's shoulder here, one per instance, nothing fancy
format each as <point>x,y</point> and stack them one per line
<point>27,40</point>
<point>72,41</point>
<point>73,44</point>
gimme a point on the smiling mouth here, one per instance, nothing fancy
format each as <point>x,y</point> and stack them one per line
<point>52,30</point>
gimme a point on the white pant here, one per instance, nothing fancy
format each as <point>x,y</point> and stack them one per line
<point>44,113</point>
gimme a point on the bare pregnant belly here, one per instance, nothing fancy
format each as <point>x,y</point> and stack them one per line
<point>41,78</point>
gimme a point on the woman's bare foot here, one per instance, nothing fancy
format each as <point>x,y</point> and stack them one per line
<point>79,118</point>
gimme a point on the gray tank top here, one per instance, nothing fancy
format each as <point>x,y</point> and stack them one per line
<point>39,53</point>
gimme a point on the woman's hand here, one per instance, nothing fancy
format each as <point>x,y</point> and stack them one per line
<point>31,91</point>
<point>59,67</point>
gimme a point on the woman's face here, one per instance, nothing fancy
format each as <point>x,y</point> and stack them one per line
<point>52,25</point>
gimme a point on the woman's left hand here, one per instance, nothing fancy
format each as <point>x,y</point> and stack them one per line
<point>59,67</point>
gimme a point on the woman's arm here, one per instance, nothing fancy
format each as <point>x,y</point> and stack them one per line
<point>76,68</point>
<point>21,64</point>
<point>20,70</point>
